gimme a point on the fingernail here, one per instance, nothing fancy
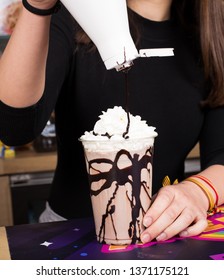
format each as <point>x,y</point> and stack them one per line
<point>147,221</point>
<point>184,233</point>
<point>145,238</point>
<point>161,236</point>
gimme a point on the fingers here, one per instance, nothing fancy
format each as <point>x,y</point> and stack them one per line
<point>195,229</point>
<point>177,227</point>
<point>173,213</point>
<point>171,224</point>
<point>159,205</point>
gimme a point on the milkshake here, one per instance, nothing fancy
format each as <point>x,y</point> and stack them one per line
<point>118,154</point>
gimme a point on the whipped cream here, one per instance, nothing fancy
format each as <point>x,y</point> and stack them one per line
<point>110,132</point>
<point>112,126</point>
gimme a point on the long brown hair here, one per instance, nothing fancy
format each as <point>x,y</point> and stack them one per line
<point>212,45</point>
<point>205,19</point>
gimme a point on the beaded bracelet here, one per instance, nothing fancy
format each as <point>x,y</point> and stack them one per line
<point>210,184</point>
<point>41,12</point>
<point>212,206</point>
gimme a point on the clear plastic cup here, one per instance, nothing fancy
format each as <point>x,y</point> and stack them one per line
<point>120,178</point>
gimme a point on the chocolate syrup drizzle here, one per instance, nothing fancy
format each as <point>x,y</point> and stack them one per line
<point>127,94</point>
<point>128,175</point>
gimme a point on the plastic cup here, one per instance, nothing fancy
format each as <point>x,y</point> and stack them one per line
<point>120,179</point>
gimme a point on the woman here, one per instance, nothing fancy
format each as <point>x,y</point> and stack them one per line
<point>55,67</point>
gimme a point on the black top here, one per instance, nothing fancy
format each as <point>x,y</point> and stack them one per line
<point>165,91</point>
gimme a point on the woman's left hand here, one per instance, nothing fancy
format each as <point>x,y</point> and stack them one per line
<point>176,209</point>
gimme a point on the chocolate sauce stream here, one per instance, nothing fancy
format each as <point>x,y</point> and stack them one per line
<point>127,96</point>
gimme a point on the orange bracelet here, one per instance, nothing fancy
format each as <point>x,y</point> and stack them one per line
<point>210,184</point>
<point>212,206</point>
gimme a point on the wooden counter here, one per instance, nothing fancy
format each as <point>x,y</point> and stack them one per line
<point>194,152</point>
<point>26,161</point>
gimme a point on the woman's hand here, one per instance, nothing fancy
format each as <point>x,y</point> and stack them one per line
<point>176,209</point>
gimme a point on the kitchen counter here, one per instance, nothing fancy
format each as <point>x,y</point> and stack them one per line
<point>26,161</point>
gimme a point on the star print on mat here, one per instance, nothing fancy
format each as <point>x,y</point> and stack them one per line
<point>45,243</point>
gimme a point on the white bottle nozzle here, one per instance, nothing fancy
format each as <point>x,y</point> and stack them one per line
<point>106,23</point>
